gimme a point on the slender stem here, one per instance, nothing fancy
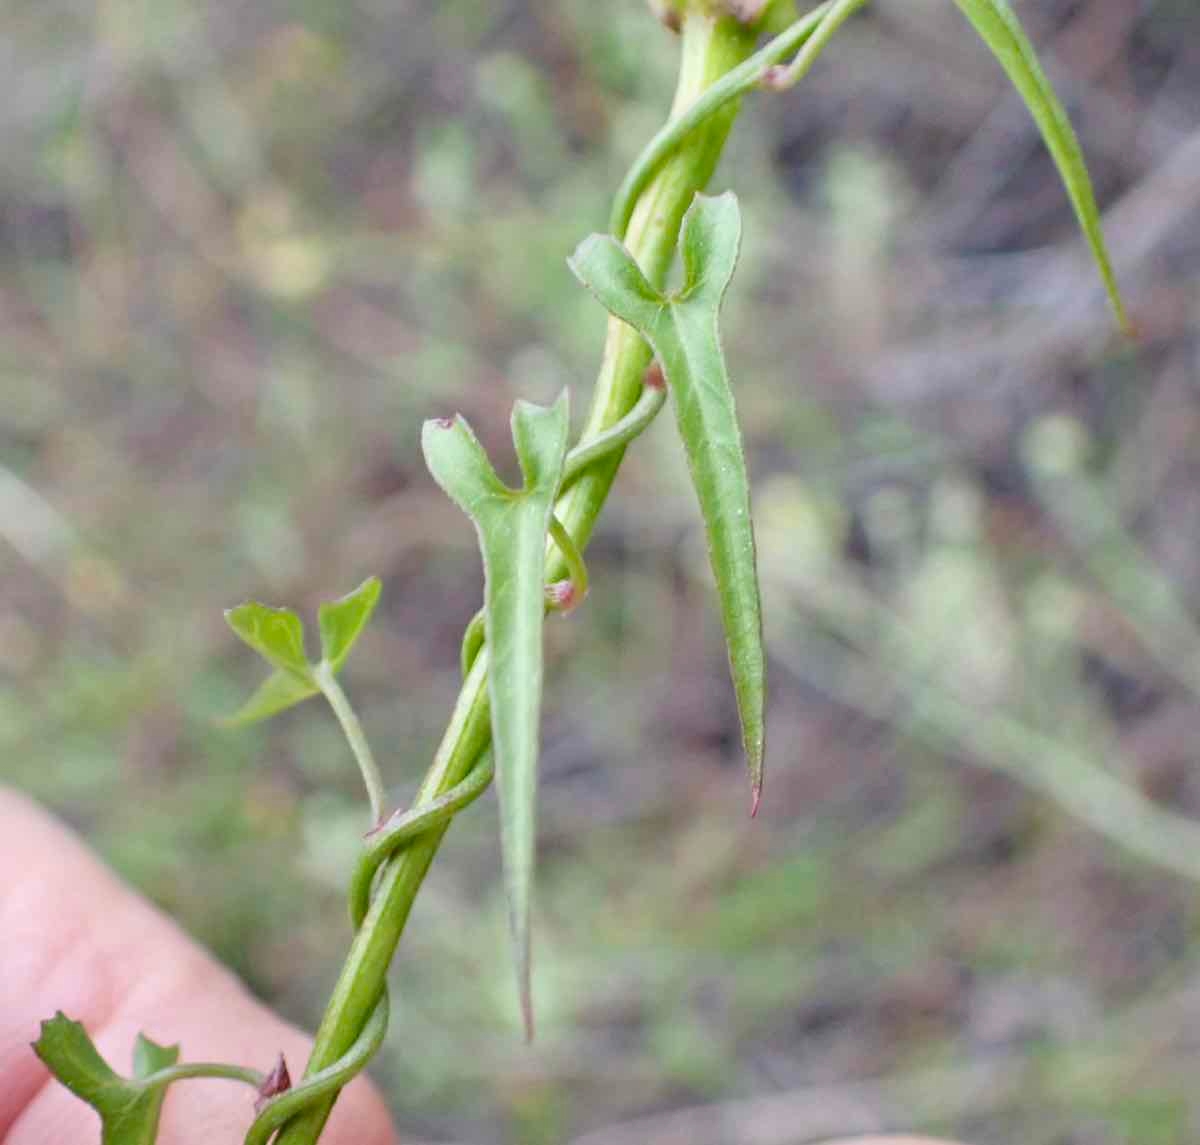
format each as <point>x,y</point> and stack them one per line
<point>364,974</point>
<point>203,1069</point>
<point>731,87</point>
<point>329,1080</point>
<point>621,434</point>
<point>573,559</point>
<point>712,44</point>
<point>836,14</point>
<point>355,736</point>
<point>472,641</point>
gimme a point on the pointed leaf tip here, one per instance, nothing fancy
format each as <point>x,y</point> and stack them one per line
<point>149,1057</point>
<point>513,526</point>
<point>997,25</point>
<point>341,622</point>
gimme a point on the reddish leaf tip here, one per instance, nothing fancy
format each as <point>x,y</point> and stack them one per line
<point>444,422</point>
<point>755,800</point>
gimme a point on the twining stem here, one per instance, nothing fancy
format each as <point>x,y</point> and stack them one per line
<point>571,557</point>
<point>326,1081</point>
<point>712,44</point>
<point>835,15</point>
<point>684,121</point>
<point>587,453</point>
<point>355,736</point>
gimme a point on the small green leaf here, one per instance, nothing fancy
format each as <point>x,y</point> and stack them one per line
<point>512,527</point>
<point>278,692</point>
<point>1000,30</point>
<point>276,634</point>
<point>682,330</point>
<point>129,1110</point>
<point>341,621</point>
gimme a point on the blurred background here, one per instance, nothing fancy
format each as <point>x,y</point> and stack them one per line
<point>246,248</point>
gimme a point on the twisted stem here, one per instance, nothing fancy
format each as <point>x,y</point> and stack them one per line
<point>397,857</point>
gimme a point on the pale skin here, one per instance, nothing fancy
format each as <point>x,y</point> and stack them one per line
<point>76,939</point>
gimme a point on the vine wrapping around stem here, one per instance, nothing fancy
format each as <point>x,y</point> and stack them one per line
<point>394,866</point>
<point>404,829</point>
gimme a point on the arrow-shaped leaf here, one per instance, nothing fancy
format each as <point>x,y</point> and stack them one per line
<point>512,527</point>
<point>129,1110</point>
<point>682,329</point>
<point>1000,30</point>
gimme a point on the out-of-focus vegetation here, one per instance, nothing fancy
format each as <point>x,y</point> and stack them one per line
<point>236,274</point>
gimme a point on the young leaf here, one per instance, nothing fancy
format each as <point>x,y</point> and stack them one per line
<point>278,692</point>
<point>276,634</point>
<point>1000,30</point>
<point>682,330</point>
<point>512,527</point>
<point>129,1110</point>
<point>341,621</point>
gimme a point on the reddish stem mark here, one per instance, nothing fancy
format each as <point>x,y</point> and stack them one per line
<point>775,77</point>
<point>276,1082</point>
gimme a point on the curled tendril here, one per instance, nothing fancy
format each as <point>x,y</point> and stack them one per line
<point>404,828</point>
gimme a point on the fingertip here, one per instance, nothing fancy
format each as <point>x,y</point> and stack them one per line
<point>78,940</point>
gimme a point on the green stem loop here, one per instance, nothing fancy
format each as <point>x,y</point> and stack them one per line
<point>587,453</point>
<point>565,595</point>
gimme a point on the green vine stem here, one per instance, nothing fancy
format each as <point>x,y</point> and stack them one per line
<point>685,120</point>
<point>355,736</point>
<point>713,45</point>
<point>564,595</point>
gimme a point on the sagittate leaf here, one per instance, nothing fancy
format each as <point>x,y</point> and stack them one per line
<point>682,330</point>
<point>342,621</point>
<point>1000,30</point>
<point>129,1109</point>
<point>512,527</point>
